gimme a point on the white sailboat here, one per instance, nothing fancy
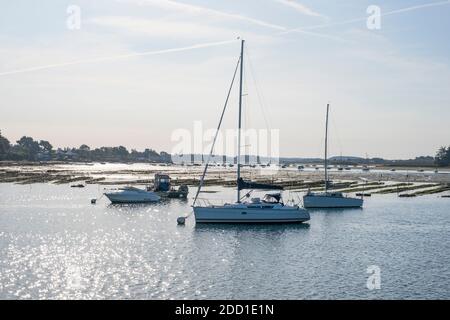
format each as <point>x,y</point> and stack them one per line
<point>329,199</point>
<point>270,209</point>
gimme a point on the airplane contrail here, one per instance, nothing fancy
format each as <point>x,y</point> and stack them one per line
<point>327,25</point>
<point>129,55</point>
<point>212,44</point>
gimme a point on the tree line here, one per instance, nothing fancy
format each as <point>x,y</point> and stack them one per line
<point>443,157</point>
<point>28,149</point>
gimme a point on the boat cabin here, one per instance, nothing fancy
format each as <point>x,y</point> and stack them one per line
<point>162,182</point>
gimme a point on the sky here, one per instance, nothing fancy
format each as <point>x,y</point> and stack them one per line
<point>133,72</point>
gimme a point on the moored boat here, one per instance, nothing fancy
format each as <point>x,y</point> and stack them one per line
<point>163,187</point>
<point>329,199</point>
<point>269,210</point>
<point>131,195</point>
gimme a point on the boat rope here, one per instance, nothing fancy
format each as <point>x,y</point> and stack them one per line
<point>259,94</point>
<point>333,123</point>
<point>202,180</point>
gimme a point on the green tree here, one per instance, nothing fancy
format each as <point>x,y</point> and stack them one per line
<point>85,147</point>
<point>120,152</point>
<point>28,147</point>
<point>5,146</point>
<point>443,157</point>
<point>45,146</point>
<point>84,151</point>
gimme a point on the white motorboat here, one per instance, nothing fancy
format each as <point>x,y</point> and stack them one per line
<point>131,195</point>
<point>269,210</point>
<point>329,199</point>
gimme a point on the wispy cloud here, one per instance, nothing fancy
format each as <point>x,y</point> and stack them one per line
<point>158,28</point>
<point>195,9</point>
<point>116,57</point>
<point>300,8</point>
<point>417,7</point>
<point>350,21</point>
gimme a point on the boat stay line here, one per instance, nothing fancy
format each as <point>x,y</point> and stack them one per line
<point>202,180</point>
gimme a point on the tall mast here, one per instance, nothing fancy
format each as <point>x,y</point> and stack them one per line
<point>326,150</point>
<point>240,123</point>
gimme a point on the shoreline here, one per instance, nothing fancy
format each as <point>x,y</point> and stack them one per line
<point>378,180</point>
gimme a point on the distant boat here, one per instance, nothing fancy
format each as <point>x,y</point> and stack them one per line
<point>301,168</point>
<point>363,194</point>
<point>271,209</point>
<point>329,199</point>
<point>131,195</point>
<point>366,166</point>
<point>393,170</point>
<point>77,186</point>
<point>407,195</point>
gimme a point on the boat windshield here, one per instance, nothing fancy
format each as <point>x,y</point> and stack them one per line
<point>272,198</point>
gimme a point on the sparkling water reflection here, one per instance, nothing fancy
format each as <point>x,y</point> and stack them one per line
<point>55,244</point>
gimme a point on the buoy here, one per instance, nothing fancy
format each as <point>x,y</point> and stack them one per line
<point>181,221</point>
<point>93,201</point>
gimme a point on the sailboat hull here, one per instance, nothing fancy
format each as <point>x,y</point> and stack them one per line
<point>323,201</point>
<point>249,215</point>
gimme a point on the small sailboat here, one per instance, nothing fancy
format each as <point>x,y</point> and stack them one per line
<point>329,199</point>
<point>365,167</point>
<point>270,209</point>
<point>131,195</point>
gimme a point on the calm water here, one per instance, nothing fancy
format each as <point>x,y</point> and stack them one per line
<point>55,244</point>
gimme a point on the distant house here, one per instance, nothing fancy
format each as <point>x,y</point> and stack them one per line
<point>66,154</point>
<point>44,156</point>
